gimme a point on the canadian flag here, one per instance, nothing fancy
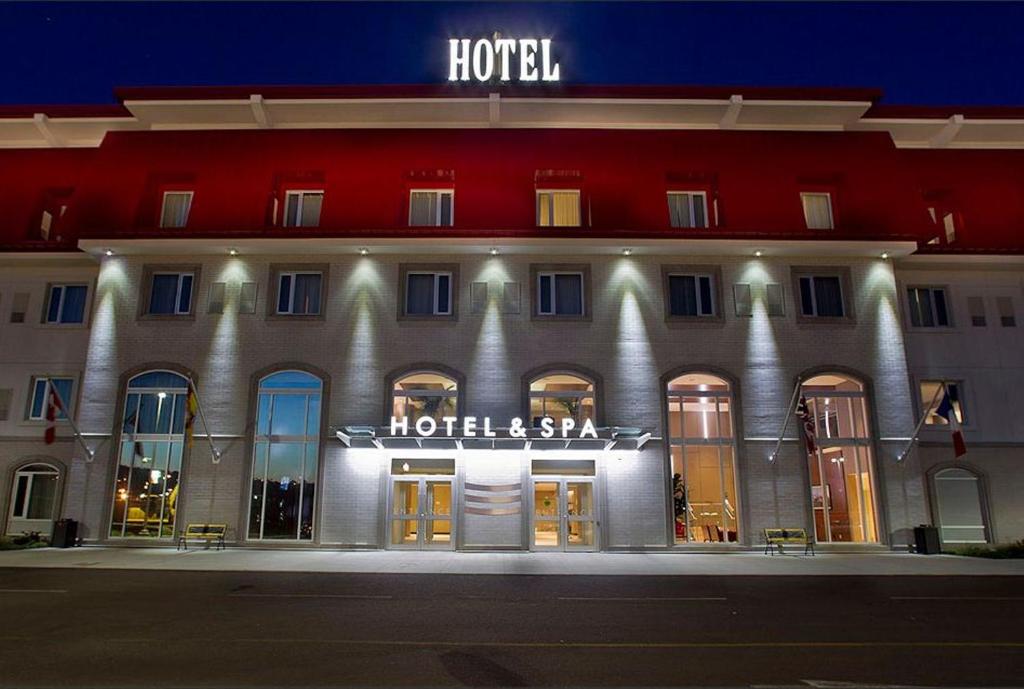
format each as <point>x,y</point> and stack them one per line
<point>948,412</point>
<point>803,412</point>
<point>53,405</point>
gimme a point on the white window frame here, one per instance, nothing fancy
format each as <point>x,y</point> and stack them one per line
<point>42,408</point>
<point>804,195</point>
<point>60,307</point>
<point>188,207</point>
<point>814,296</point>
<point>551,206</point>
<point>301,193</point>
<point>177,294</point>
<point>436,274</point>
<point>696,277</point>
<point>554,305</point>
<point>291,292</point>
<point>438,193</point>
<point>31,475</point>
<point>692,194</point>
<point>931,303</point>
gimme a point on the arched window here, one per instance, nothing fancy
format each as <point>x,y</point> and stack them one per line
<point>702,446</point>
<point>33,498</point>
<point>841,469</point>
<point>424,393</point>
<point>149,465</point>
<point>561,396</point>
<point>958,506</point>
<point>286,455</point>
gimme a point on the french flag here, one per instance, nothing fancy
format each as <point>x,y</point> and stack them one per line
<point>946,411</point>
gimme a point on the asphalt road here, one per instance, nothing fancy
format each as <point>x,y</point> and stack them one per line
<point>145,628</point>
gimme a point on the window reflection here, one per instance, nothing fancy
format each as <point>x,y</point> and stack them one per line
<point>285,456</point>
<point>561,396</point>
<point>702,448</point>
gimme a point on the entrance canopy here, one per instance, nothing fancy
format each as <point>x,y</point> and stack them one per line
<point>609,438</point>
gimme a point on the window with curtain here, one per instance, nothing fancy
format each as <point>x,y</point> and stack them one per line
<point>299,293</point>
<point>428,294</point>
<point>424,393</point>
<point>560,294</point>
<point>286,452</point>
<point>691,295</point>
<point>702,446</point>
<point>958,506</point>
<point>431,208</point>
<point>821,296</point>
<point>171,294</point>
<point>175,208</point>
<point>558,208</point>
<point>66,304</point>
<point>817,210</point>
<point>64,387</point>
<point>688,208</point>
<point>560,396</point>
<point>928,307</point>
<point>302,208</point>
<point>148,482</point>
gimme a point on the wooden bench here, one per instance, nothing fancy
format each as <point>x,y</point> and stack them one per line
<point>780,537</point>
<point>203,532</point>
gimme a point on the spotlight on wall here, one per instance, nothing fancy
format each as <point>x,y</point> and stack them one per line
<point>232,252</point>
<point>758,253</point>
<point>363,251</point>
<point>885,255</point>
<point>627,252</point>
<point>494,252</point>
<point>108,252</point>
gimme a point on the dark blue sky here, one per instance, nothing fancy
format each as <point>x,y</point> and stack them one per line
<point>929,53</point>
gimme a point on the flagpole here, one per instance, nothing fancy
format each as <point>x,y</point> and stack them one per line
<point>202,415</point>
<point>924,417</point>
<point>785,422</point>
<point>50,387</point>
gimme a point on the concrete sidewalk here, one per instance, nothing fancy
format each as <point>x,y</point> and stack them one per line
<point>406,562</point>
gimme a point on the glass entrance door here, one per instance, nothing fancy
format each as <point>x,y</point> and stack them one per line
<point>421,513</point>
<point>563,514</point>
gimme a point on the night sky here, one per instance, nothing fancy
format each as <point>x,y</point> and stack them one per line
<point>928,53</point>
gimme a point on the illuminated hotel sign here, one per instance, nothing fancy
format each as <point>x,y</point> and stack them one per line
<point>507,59</point>
<point>471,427</point>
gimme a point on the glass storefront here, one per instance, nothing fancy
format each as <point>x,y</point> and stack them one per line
<point>702,446</point>
<point>422,495</point>
<point>564,503</point>
<point>842,476</point>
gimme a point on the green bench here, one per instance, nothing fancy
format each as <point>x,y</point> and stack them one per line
<point>779,537</point>
<point>203,532</point>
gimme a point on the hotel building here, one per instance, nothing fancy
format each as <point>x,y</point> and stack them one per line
<point>380,294</point>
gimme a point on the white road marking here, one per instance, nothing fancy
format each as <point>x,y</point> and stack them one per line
<point>956,598</point>
<point>307,595</point>
<point>33,590</point>
<point>640,599</point>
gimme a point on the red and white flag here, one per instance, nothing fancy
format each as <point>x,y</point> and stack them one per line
<point>947,411</point>
<point>807,424</point>
<point>53,406</point>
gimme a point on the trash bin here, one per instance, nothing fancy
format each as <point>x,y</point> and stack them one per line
<point>65,533</point>
<point>926,540</point>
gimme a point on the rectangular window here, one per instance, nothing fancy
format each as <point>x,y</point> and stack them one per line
<point>976,307</point>
<point>302,208</point>
<point>821,296</point>
<point>66,304</point>
<point>931,399</point>
<point>171,294</point>
<point>19,307</point>
<point>691,295</point>
<point>560,294</point>
<point>431,208</point>
<point>817,210</point>
<point>176,206</point>
<point>428,294</point>
<point>37,405</point>
<point>558,208</point>
<point>299,294</point>
<point>776,299</point>
<point>928,307</point>
<point>688,208</point>
<point>1007,317</point>
<point>742,299</point>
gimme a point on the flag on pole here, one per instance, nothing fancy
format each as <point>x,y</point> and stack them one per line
<point>807,424</point>
<point>946,411</point>
<point>53,405</point>
<point>191,411</point>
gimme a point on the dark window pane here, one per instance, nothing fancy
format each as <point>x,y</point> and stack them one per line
<point>19,496</point>
<point>185,300</point>
<point>545,294</point>
<point>569,295</point>
<point>307,294</point>
<point>446,209</point>
<point>705,296</point>
<point>829,297</point>
<point>164,294</point>
<point>419,296</point>
<point>682,295</point>
<point>74,304</point>
<point>941,315</point>
<point>698,212</point>
<point>915,307</point>
<point>284,295</point>
<point>443,286</point>
<point>63,387</point>
<point>53,312</point>
<point>806,300</point>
